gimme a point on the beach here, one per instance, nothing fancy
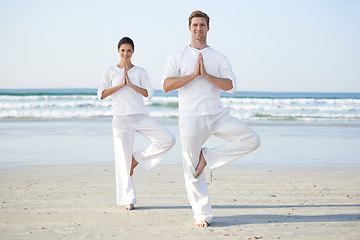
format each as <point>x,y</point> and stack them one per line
<point>57,171</point>
<point>58,182</point>
<point>77,201</point>
<point>72,91</point>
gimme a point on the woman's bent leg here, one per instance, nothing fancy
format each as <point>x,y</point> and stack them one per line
<point>162,140</point>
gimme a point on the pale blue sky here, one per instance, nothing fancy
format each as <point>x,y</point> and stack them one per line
<point>273,45</point>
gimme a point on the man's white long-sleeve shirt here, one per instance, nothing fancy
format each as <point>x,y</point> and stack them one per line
<point>199,97</point>
<point>126,101</point>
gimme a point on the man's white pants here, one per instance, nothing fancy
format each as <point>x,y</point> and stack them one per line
<point>124,128</point>
<point>194,131</point>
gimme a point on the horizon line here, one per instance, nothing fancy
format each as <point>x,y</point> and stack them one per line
<point>42,89</point>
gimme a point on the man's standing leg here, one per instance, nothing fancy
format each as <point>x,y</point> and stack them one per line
<point>193,134</point>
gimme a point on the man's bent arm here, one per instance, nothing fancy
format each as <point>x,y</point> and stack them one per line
<point>224,84</point>
<point>173,83</point>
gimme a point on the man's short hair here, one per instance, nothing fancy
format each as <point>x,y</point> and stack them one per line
<point>199,13</point>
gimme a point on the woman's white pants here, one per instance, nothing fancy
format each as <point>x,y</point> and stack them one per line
<point>194,131</point>
<point>124,128</point>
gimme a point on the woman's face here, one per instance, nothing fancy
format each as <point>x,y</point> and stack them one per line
<point>126,51</point>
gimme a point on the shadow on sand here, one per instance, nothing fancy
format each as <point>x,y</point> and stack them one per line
<point>269,218</point>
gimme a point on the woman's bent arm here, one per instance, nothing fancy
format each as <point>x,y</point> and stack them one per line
<point>110,91</point>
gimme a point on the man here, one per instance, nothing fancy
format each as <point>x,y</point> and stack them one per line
<point>201,73</point>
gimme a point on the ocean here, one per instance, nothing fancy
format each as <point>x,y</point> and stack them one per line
<point>253,107</point>
<point>71,126</point>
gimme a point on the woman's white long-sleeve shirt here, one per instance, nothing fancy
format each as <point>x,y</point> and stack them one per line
<point>126,101</point>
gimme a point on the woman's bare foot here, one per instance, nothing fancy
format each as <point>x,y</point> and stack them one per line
<point>201,223</point>
<point>201,165</point>
<point>134,163</point>
<point>129,207</point>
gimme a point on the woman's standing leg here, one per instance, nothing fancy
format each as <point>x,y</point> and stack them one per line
<point>123,134</point>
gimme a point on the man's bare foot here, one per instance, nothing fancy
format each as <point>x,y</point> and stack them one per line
<point>134,163</point>
<point>201,223</point>
<point>129,207</point>
<point>201,165</point>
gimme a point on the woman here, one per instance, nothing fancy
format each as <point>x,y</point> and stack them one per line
<point>128,84</point>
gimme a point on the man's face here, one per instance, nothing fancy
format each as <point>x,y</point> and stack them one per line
<point>198,28</point>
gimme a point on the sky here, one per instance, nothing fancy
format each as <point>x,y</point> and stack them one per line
<point>272,45</point>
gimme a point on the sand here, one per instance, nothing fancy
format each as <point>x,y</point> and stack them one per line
<point>78,202</point>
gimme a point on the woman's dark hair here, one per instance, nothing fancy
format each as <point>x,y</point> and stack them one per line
<point>126,40</point>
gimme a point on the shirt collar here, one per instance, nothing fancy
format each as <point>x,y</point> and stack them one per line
<point>122,69</point>
<point>199,51</point>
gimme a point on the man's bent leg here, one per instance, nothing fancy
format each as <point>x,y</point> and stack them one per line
<point>242,140</point>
